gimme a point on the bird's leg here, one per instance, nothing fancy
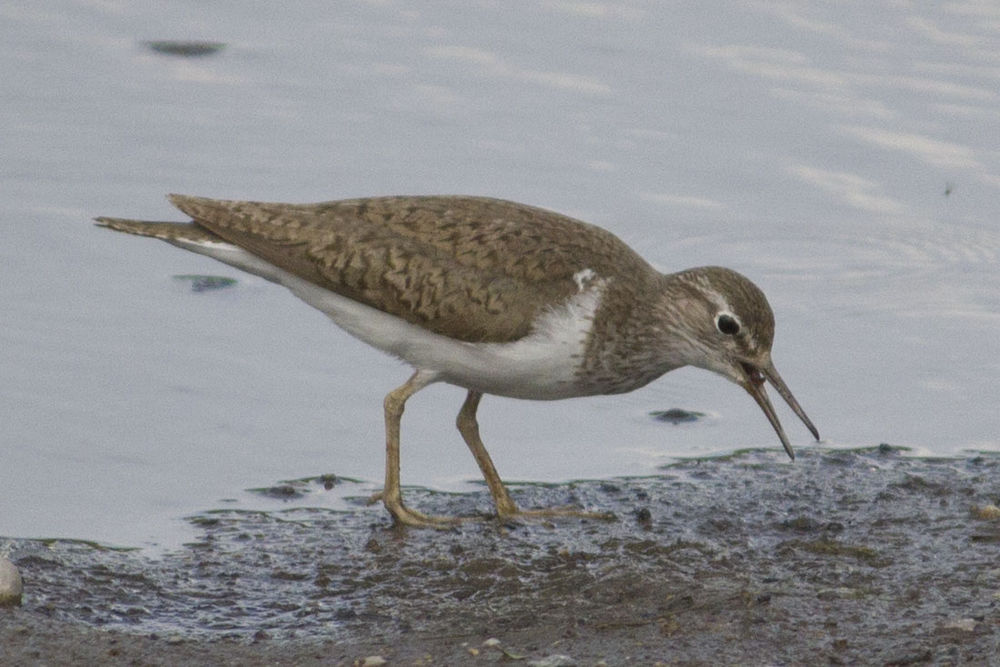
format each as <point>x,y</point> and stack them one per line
<point>392,496</point>
<point>469,428</point>
<point>506,507</point>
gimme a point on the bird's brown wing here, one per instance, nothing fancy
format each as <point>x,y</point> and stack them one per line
<point>473,268</point>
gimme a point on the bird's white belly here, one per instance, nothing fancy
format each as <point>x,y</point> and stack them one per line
<point>542,365</point>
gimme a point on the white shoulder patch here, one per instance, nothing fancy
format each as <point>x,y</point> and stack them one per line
<point>582,278</point>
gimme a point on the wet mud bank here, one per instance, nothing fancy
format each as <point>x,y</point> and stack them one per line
<point>844,557</point>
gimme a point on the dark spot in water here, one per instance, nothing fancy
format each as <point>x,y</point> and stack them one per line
<point>207,283</point>
<point>280,491</point>
<point>184,48</point>
<point>676,416</point>
<point>920,484</point>
<point>344,614</point>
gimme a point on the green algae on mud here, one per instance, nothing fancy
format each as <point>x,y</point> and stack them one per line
<point>843,556</point>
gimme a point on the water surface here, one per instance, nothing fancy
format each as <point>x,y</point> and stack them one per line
<point>846,157</point>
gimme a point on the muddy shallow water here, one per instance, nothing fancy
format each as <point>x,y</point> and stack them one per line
<point>843,557</point>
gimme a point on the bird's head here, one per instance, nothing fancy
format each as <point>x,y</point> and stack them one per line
<point>730,330</point>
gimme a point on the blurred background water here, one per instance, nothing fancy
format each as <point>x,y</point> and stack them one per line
<point>845,156</point>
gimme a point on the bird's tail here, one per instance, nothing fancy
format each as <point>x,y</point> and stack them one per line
<point>182,232</point>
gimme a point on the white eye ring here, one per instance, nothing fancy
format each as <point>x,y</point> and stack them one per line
<point>728,324</point>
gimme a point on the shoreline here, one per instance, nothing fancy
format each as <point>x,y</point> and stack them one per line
<point>844,557</point>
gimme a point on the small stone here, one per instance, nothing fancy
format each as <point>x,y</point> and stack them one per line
<point>963,624</point>
<point>557,660</point>
<point>473,651</point>
<point>839,593</point>
<point>986,512</point>
<point>374,661</point>
<point>492,642</point>
<point>801,524</point>
<point>11,584</point>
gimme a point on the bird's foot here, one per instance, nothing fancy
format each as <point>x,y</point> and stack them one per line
<point>403,515</point>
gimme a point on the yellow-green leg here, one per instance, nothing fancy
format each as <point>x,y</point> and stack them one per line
<point>506,507</point>
<point>392,495</point>
<point>469,428</point>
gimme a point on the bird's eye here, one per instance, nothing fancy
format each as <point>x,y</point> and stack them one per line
<point>727,324</point>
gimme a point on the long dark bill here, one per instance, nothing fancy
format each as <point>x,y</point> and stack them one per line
<point>755,387</point>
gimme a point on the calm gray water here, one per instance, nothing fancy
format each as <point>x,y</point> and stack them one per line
<point>845,156</point>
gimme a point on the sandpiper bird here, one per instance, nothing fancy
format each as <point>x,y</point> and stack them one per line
<point>492,296</point>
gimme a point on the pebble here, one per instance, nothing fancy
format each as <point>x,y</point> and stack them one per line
<point>373,661</point>
<point>840,593</point>
<point>964,624</point>
<point>986,512</point>
<point>11,584</point>
<point>492,642</point>
<point>557,660</point>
